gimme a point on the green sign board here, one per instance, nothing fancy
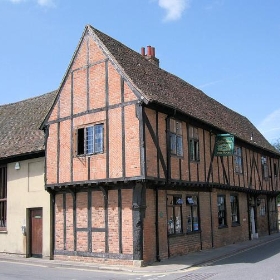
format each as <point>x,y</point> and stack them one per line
<point>224,145</point>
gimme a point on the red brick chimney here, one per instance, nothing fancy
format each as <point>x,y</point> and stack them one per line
<point>151,55</point>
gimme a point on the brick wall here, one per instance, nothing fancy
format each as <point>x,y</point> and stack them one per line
<point>90,88</point>
<point>230,234</point>
<point>150,227</point>
<point>97,221</point>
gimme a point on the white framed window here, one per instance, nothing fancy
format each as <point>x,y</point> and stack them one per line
<point>174,214</point>
<point>238,159</point>
<point>90,139</point>
<point>176,138</point>
<point>234,209</point>
<point>222,213</point>
<point>194,143</point>
<point>264,167</point>
<point>192,214</point>
<point>262,207</point>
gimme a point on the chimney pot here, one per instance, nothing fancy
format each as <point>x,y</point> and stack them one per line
<point>153,52</point>
<point>149,50</point>
<point>143,51</point>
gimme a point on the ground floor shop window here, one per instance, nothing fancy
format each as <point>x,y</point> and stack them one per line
<point>262,207</point>
<point>234,209</point>
<point>174,214</point>
<point>221,201</point>
<point>192,214</point>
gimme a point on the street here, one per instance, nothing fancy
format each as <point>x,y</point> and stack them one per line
<point>258,263</point>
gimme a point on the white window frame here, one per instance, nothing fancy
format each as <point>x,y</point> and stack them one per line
<point>90,140</point>
<point>176,137</point>
<point>193,224</point>
<point>238,160</point>
<point>194,143</point>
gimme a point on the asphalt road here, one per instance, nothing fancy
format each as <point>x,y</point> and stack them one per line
<point>258,263</point>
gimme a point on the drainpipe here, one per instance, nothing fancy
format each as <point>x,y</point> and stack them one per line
<point>52,217</point>
<point>249,215</point>
<point>211,211</point>
<point>268,216</point>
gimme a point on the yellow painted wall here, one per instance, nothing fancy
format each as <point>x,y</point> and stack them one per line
<point>25,189</point>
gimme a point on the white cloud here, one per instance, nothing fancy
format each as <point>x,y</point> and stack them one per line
<point>46,3</point>
<point>209,84</point>
<point>43,3</point>
<point>270,126</point>
<point>17,1</point>
<point>174,8</point>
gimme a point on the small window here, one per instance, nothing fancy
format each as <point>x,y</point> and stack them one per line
<point>275,170</point>
<point>174,212</point>
<point>238,159</point>
<point>221,201</point>
<point>234,209</point>
<point>194,143</point>
<point>176,138</point>
<point>264,167</point>
<point>90,140</point>
<point>3,198</point>
<point>192,214</point>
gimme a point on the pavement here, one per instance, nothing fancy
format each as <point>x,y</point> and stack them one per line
<point>170,265</point>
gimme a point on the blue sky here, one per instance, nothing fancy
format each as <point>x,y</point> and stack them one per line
<point>228,49</point>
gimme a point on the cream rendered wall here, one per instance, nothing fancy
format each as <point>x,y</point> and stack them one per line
<point>25,189</point>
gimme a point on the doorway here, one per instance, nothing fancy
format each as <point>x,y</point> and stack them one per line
<point>36,232</point>
<point>254,233</point>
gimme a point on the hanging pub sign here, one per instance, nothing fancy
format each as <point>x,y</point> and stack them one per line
<point>224,145</point>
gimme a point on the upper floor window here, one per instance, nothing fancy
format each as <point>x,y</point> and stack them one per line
<point>90,139</point>
<point>234,209</point>
<point>194,143</point>
<point>174,212</point>
<point>264,167</point>
<point>222,214</point>
<point>238,159</point>
<point>275,170</point>
<point>176,138</point>
<point>192,214</point>
<point>3,197</point>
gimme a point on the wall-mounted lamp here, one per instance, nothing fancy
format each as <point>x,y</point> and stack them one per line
<point>17,166</point>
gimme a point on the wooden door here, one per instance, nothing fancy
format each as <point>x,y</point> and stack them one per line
<point>36,232</point>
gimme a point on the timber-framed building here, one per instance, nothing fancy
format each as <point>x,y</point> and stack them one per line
<point>131,163</point>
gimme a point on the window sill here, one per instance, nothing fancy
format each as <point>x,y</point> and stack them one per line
<point>177,156</point>
<point>4,231</point>
<point>89,155</point>
<point>221,227</point>
<point>193,232</point>
<point>236,224</point>
<point>175,235</point>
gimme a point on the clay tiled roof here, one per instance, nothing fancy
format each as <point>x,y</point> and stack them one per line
<point>20,123</point>
<point>159,86</point>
